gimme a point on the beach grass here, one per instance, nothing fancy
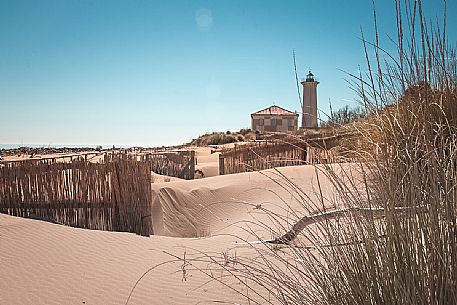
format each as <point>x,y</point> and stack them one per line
<point>404,249</point>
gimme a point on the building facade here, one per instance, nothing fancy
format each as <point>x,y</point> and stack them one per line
<point>274,119</point>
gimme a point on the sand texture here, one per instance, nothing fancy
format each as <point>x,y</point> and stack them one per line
<point>44,263</point>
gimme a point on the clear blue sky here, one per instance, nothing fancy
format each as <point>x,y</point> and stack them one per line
<point>144,72</point>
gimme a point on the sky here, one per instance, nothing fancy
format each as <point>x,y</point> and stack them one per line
<point>153,73</point>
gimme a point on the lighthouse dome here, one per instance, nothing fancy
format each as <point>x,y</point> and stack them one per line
<point>310,77</point>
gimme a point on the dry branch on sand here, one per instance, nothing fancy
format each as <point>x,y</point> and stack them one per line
<point>351,212</point>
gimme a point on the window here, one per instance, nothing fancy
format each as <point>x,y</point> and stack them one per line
<point>290,122</point>
<point>260,122</point>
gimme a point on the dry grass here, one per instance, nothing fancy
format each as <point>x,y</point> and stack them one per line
<point>409,148</point>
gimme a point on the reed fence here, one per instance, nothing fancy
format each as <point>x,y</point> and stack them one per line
<point>270,154</point>
<point>113,196</point>
<point>180,164</point>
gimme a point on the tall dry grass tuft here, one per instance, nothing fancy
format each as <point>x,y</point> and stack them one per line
<point>389,236</point>
<point>408,258</point>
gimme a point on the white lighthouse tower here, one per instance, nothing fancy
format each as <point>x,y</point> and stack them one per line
<point>309,110</point>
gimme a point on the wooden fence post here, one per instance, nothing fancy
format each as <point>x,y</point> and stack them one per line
<point>221,164</point>
<point>192,165</point>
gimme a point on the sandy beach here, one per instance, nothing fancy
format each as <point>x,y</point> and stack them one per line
<point>45,263</point>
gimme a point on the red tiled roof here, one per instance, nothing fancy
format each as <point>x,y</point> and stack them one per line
<point>275,110</point>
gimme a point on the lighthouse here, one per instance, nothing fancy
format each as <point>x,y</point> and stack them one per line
<point>309,107</point>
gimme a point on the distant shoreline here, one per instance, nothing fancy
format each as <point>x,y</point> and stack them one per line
<point>26,145</point>
<point>37,149</point>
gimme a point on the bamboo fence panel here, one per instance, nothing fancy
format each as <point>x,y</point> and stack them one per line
<point>180,164</point>
<point>113,196</point>
<point>261,155</point>
<point>270,154</point>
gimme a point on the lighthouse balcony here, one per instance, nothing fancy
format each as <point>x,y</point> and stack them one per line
<point>310,80</point>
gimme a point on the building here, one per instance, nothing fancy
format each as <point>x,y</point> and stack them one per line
<point>309,110</point>
<point>274,119</point>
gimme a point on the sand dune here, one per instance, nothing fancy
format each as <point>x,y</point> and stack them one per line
<point>216,205</point>
<point>44,263</point>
